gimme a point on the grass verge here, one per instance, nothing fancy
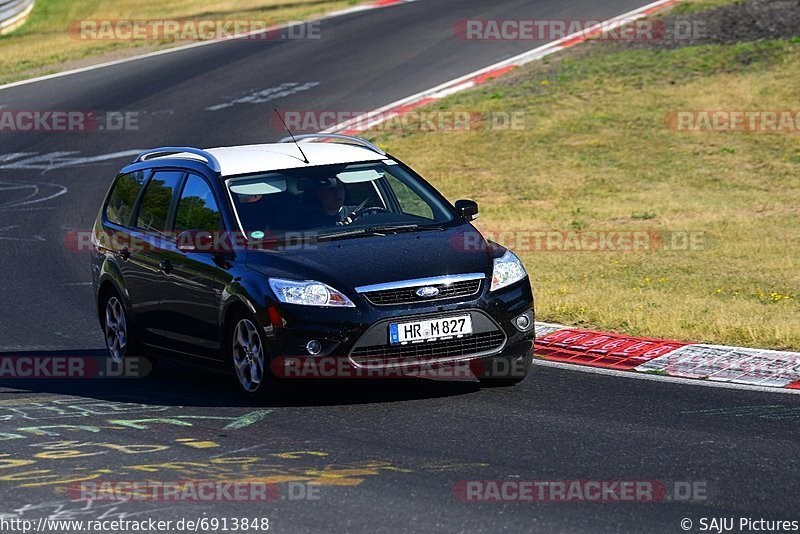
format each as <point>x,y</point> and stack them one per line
<point>596,155</point>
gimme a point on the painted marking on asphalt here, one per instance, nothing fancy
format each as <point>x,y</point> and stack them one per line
<point>729,364</point>
<point>248,419</point>
<point>271,29</point>
<point>708,365</point>
<point>39,161</point>
<point>237,451</point>
<point>15,155</point>
<point>4,230</point>
<point>56,160</point>
<point>236,423</point>
<point>145,424</point>
<point>294,455</point>
<point>49,408</point>
<point>658,378</point>
<point>196,444</point>
<point>768,411</point>
<point>49,430</point>
<point>316,469</point>
<point>262,96</point>
<point>70,510</point>
<point>34,197</point>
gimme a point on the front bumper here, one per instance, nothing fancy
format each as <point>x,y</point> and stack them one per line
<point>357,338</point>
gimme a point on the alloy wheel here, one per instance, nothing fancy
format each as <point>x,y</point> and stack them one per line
<point>248,356</point>
<point>116,329</point>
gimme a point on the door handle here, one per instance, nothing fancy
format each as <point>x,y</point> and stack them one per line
<point>165,266</point>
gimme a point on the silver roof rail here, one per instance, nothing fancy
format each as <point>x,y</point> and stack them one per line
<point>211,161</point>
<point>350,138</point>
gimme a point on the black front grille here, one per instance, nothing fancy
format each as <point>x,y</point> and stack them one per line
<point>408,295</point>
<point>443,349</point>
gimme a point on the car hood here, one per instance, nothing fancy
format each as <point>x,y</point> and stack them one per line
<point>358,261</point>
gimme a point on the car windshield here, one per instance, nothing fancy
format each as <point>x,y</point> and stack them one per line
<point>335,201</point>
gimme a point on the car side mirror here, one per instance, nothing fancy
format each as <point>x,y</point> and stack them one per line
<point>195,241</point>
<point>468,209</point>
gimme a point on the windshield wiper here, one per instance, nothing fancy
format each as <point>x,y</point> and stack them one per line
<point>339,235</point>
<point>375,230</point>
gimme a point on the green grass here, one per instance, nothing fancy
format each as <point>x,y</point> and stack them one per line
<point>43,44</point>
<point>700,5</point>
<point>595,154</point>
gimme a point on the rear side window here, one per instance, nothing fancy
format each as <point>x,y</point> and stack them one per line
<point>157,199</point>
<point>197,208</point>
<point>123,197</point>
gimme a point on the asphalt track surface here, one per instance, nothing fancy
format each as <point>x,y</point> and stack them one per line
<point>386,455</point>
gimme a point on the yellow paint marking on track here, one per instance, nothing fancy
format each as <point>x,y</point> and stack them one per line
<point>12,402</point>
<point>191,442</point>
<point>294,455</point>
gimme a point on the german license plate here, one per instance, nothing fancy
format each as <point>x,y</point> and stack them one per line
<point>430,329</point>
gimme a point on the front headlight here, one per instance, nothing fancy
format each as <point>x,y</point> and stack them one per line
<point>308,293</point>
<point>507,270</point>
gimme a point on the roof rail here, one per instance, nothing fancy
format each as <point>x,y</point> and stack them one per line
<point>211,161</point>
<point>356,140</point>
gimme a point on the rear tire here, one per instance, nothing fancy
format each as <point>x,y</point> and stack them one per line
<point>119,340</point>
<point>120,335</point>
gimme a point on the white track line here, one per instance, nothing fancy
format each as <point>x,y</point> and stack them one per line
<point>660,378</point>
<point>333,14</point>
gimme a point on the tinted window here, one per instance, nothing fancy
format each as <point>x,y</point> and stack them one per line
<point>123,197</point>
<point>156,201</point>
<point>315,199</point>
<point>410,202</point>
<point>197,208</point>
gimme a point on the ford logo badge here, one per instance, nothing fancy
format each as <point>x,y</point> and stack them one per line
<point>427,292</point>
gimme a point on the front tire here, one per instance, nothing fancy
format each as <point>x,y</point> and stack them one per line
<point>247,355</point>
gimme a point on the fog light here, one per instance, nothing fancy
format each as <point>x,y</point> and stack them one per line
<point>524,322</point>
<point>313,347</point>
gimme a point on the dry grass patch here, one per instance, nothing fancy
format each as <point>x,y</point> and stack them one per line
<point>596,155</point>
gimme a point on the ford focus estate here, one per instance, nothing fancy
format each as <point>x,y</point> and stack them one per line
<point>251,259</point>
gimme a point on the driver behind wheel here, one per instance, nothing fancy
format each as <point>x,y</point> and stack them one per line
<point>328,207</point>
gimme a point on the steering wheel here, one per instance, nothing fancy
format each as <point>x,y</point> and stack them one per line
<point>367,211</point>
